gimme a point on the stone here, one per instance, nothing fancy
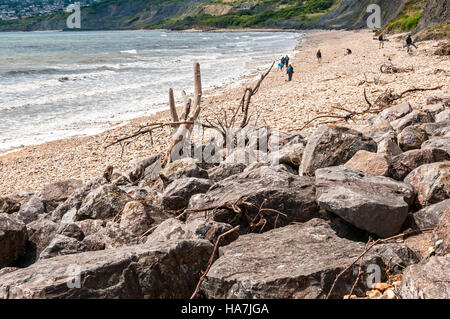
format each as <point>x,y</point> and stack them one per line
<point>31,210</point>
<point>54,193</point>
<point>405,163</point>
<point>437,129</point>
<point>224,170</point>
<point>102,203</point>
<point>333,146</point>
<point>378,131</point>
<point>442,143</point>
<point>375,164</point>
<point>298,261</point>
<point>392,113</point>
<point>441,235</point>
<point>116,236</point>
<point>91,226</point>
<point>9,205</point>
<point>13,237</point>
<point>147,168</point>
<point>420,244</point>
<point>443,98</point>
<point>164,270</point>
<point>290,155</point>
<point>412,137</point>
<point>277,192</point>
<point>376,204</point>
<point>245,156</point>
<point>428,280</point>
<point>429,216</point>
<point>42,232</point>
<point>443,116</point>
<point>62,245</point>
<point>415,117</point>
<point>177,194</point>
<point>71,230</point>
<point>96,241</point>
<point>174,229</point>
<point>136,218</point>
<point>431,181</point>
<point>186,167</point>
<point>389,145</point>
<point>433,108</point>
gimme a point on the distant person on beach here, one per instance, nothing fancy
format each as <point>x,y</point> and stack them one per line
<point>290,72</point>
<point>348,52</point>
<point>281,64</point>
<point>409,43</point>
<point>381,40</point>
<point>286,61</point>
<point>319,56</point>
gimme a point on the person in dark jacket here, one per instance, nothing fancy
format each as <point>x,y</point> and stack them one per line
<point>381,40</point>
<point>290,72</point>
<point>409,43</point>
<point>319,56</point>
<point>286,61</point>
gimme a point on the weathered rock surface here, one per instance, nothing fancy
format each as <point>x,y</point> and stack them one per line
<point>393,113</point>
<point>415,117</point>
<point>13,237</point>
<point>42,233</point>
<point>177,194</point>
<point>290,154</point>
<point>333,146</point>
<point>104,202</point>
<point>373,203</point>
<point>296,261</point>
<point>9,205</point>
<point>246,156</point>
<point>429,280</point>
<point>433,108</point>
<point>443,116</point>
<point>31,210</point>
<point>412,137</point>
<point>389,144</point>
<point>289,194</point>
<point>375,164</point>
<point>429,216</point>
<point>186,167</point>
<point>162,270</point>
<point>405,163</point>
<point>136,217</point>
<point>441,235</point>
<point>225,170</point>
<point>442,143</point>
<point>71,230</point>
<point>437,129</point>
<point>174,229</point>
<point>62,245</point>
<point>54,193</point>
<point>431,181</point>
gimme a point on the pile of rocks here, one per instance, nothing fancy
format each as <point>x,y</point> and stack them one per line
<point>150,234</point>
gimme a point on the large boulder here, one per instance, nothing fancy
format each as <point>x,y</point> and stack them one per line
<point>429,216</point>
<point>177,194</point>
<point>224,170</point>
<point>31,210</point>
<point>9,204</point>
<point>104,202</point>
<point>442,143</point>
<point>375,164</point>
<point>42,232</point>
<point>162,270</point>
<point>429,280</point>
<point>405,163</point>
<point>55,193</point>
<point>443,116</point>
<point>290,154</point>
<point>441,235</point>
<point>412,137</point>
<point>245,156</point>
<point>63,245</point>
<point>136,217</point>
<point>392,113</point>
<point>415,117</point>
<point>13,237</point>
<point>186,167</point>
<point>431,181</point>
<point>333,146</point>
<point>282,197</point>
<point>376,204</point>
<point>433,109</point>
<point>296,261</point>
<point>71,230</point>
<point>437,129</point>
<point>388,144</point>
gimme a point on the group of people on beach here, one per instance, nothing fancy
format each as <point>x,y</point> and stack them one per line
<point>284,61</point>
<point>409,43</point>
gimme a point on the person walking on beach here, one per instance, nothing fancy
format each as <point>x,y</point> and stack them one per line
<point>281,64</point>
<point>286,61</point>
<point>319,56</point>
<point>409,43</point>
<point>381,40</point>
<point>290,72</point>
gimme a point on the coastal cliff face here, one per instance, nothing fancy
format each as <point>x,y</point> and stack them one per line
<point>397,15</point>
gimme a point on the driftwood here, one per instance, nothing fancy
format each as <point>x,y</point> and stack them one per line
<point>391,69</point>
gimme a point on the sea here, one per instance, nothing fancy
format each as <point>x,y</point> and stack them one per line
<point>56,85</point>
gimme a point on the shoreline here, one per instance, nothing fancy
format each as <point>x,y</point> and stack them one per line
<point>284,105</point>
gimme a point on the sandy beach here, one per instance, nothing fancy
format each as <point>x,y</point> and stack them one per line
<point>285,105</point>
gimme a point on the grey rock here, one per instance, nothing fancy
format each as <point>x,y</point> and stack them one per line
<point>433,108</point>
<point>246,156</point>
<point>441,234</point>
<point>62,245</point>
<point>186,167</point>
<point>290,154</point>
<point>443,116</point>
<point>104,202</point>
<point>163,270</point>
<point>388,144</point>
<point>333,146</point>
<point>374,203</point>
<point>403,164</point>
<point>437,129</point>
<point>429,280</point>
<point>136,218</point>
<point>429,216</point>
<point>54,193</point>
<point>43,231</point>
<point>296,261</point>
<point>412,137</point>
<point>31,210</point>
<point>415,117</point>
<point>392,113</point>
<point>13,237</point>
<point>442,143</point>
<point>177,194</point>
<point>225,170</point>
<point>91,226</point>
<point>96,241</point>
<point>71,230</point>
